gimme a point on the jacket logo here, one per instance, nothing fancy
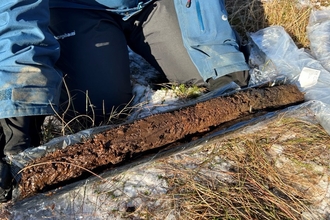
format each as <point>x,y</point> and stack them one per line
<point>61,37</point>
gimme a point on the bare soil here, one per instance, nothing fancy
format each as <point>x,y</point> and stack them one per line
<point>124,141</point>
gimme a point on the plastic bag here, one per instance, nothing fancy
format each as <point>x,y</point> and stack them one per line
<point>318,31</point>
<point>290,62</point>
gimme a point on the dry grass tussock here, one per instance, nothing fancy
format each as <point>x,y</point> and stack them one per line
<point>274,173</point>
<point>252,15</point>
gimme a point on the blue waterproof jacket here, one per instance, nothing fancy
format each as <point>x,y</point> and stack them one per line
<point>29,84</point>
<point>126,8</point>
<point>209,39</point>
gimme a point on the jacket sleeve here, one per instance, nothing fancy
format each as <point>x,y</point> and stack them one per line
<point>209,39</point>
<point>29,83</point>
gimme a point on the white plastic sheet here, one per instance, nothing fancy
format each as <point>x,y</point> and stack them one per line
<point>287,60</point>
<point>318,31</point>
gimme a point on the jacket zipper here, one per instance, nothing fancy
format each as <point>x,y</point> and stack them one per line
<point>188,4</point>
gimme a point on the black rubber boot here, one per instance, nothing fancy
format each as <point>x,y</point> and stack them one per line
<point>21,133</point>
<point>5,182</point>
<point>16,131</point>
<point>17,134</point>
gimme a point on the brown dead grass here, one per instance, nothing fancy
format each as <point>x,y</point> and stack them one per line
<point>252,15</point>
<point>274,174</point>
<point>4,213</point>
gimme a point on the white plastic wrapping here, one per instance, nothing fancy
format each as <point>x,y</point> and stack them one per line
<point>287,60</point>
<point>318,31</point>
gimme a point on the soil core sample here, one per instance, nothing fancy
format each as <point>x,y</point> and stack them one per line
<point>122,142</point>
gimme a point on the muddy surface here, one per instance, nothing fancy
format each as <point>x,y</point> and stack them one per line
<point>121,143</point>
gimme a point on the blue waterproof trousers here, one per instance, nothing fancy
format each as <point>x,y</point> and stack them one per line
<point>29,83</point>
